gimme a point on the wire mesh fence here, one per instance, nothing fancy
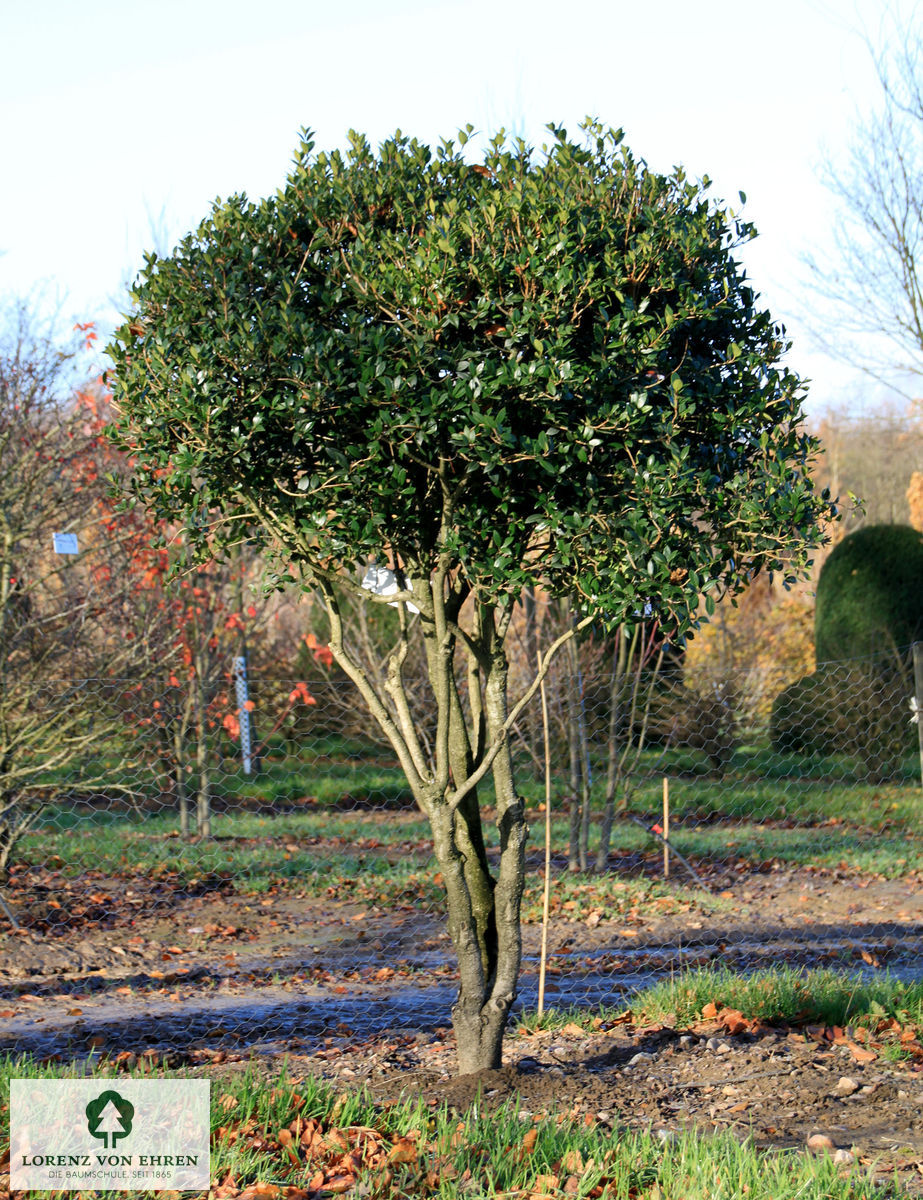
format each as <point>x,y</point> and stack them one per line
<point>235,865</point>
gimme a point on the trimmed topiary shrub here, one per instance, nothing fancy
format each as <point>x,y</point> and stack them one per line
<point>798,723</point>
<point>870,594</point>
<point>855,709</point>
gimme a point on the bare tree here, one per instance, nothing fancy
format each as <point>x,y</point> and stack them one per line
<point>61,659</point>
<point>871,282</point>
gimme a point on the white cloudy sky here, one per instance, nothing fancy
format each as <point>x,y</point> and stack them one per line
<point>120,122</point>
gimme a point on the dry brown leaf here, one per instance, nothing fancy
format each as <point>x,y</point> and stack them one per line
<point>573,1162</point>
<point>710,1010</point>
<point>734,1021</point>
<point>337,1139</point>
<point>261,1191</point>
<point>403,1151</point>
<point>339,1184</point>
<point>574,1029</point>
<point>528,1142</point>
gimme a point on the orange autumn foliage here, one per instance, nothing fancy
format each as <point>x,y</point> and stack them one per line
<point>757,649</point>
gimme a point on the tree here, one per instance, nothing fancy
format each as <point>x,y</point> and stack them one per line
<point>870,594</point>
<point>872,283</point>
<point>187,697</point>
<point>61,659</point>
<point>535,370</point>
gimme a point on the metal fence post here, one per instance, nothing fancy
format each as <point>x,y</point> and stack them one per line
<point>240,687</point>
<point>918,695</point>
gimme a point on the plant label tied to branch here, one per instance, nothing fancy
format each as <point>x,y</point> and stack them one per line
<point>65,543</point>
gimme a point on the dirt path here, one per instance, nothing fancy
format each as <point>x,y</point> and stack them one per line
<point>127,969</point>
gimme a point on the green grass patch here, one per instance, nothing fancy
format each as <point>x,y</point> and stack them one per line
<point>765,808</point>
<point>784,994</point>
<point>415,1149</point>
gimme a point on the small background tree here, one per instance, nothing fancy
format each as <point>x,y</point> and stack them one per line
<point>62,656</point>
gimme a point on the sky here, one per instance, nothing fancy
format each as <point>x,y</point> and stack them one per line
<point>120,123</point>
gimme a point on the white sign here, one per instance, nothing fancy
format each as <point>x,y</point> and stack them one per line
<point>109,1134</point>
<point>383,582</point>
<point>65,543</point>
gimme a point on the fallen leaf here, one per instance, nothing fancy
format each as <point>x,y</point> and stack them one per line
<point>337,1139</point>
<point>339,1184</point>
<point>260,1191</point>
<point>710,1010</point>
<point>574,1029</point>
<point>403,1151</point>
<point>861,1055</point>
<point>573,1162</point>
<point>734,1021</point>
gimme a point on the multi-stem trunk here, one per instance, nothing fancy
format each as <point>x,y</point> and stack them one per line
<point>483,898</point>
<point>484,912</point>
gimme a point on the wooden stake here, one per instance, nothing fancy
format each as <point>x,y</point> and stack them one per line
<point>546,899</point>
<point>666,827</point>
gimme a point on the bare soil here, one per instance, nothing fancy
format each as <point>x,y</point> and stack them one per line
<point>130,969</point>
<point>777,1087</point>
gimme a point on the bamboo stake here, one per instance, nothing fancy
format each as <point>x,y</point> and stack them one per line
<point>666,827</point>
<point>546,898</point>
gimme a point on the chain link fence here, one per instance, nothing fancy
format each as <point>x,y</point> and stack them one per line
<point>245,863</point>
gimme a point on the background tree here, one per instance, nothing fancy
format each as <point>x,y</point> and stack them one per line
<point>180,707</point>
<point>62,658</point>
<point>538,369</point>
<point>871,281</point>
<point>873,456</point>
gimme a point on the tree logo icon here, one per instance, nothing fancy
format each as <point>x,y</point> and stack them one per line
<point>109,1116</point>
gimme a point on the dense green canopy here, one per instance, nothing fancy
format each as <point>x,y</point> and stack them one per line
<point>542,366</point>
<point>870,594</point>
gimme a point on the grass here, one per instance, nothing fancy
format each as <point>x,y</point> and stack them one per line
<point>412,1149</point>
<point>786,994</point>
<point>782,995</point>
<point>388,856</point>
